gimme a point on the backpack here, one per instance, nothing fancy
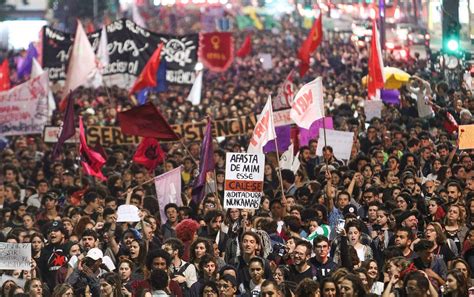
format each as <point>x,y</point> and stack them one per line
<point>183,286</point>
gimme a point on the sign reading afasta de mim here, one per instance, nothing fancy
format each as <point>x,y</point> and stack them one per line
<point>243,180</point>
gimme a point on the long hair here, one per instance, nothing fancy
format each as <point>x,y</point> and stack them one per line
<point>114,280</point>
<point>192,254</point>
<point>461,281</point>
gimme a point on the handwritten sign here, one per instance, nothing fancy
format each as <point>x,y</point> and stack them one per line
<point>24,109</point>
<point>127,213</point>
<point>340,141</point>
<point>466,137</point>
<point>50,135</point>
<point>373,109</point>
<point>244,180</point>
<point>15,256</point>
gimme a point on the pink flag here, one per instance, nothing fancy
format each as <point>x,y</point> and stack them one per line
<point>308,105</point>
<point>91,160</point>
<point>82,63</point>
<point>168,190</point>
<point>264,130</point>
<point>375,79</point>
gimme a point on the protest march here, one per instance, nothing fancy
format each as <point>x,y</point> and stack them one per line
<point>226,152</point>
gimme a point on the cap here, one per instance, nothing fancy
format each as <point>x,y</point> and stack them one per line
<point>349,209</point>
<point>95,254</point>
<point>56,226</point>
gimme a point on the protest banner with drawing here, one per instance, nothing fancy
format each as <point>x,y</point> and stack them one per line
<point>243,180</point>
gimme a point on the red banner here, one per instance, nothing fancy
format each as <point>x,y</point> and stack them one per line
<point>216,50</point>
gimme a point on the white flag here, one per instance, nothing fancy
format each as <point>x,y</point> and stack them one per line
<point>82,62</point>
<point>102,52</point>
<point>264,130</point>
<point>37,70</point>
<point>296,163</point>
<point>286,159</point>
<point>308,105</point>
<point>195,94</point>
<point>137,17</point>
<point>168,190</point>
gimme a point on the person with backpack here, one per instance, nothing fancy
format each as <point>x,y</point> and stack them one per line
<point>181,271</point>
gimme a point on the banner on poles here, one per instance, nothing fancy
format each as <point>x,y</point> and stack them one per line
<point>216,50</point>
<point>15,256</point>
<point>24,109</point>
<point>243,180</point>
<point>130,46</point>
<point>108,135</point>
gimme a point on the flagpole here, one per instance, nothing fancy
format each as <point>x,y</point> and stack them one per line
<point>279,169</point>
<point>215,174</point>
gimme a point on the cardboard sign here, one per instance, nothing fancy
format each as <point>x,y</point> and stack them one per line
<point>50,135</point>
<point>466,137</point>
<point>244,180</point>
<point>127,213</point>
<point>373,109</point>
<point>340,141</point>
<point>15,256</point>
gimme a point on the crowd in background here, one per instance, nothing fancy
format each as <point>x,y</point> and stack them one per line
<point>394,220</point>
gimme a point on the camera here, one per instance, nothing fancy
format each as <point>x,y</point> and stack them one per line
<point>279,249</point>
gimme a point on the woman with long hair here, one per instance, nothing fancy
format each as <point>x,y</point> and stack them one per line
<point>63,290</point>
<point>34,287</point>
<point>354,231</point>
<point>198,249</point>
<point>373,275</point>
<point>110,285</point>
<point>436,212</point>
<point>351,286</point>
<point>461,265</point>
<point>329,288</point>
<point>281,274</point>
<point>37,245</point>
<point>444,248</point>
<point>455,227</point>
<point>456,284</point>
<point>270,178</point>
<point>125,270</point>
<point>138,253</point>
<point>207,272</point>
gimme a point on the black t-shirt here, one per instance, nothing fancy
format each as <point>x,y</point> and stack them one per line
<point>297,277</point>
<point>323,270</point>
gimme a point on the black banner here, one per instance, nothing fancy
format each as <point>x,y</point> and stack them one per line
<point>130,46</point>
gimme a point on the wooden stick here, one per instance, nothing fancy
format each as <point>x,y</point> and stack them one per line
<point>279,169</point>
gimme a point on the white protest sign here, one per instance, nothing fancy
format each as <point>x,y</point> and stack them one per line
<point>50,135</point>
<point>127,213</point>
<point>15,256</point>
<point>24,109</point>
<point>340,141</point>
<point>266,60</point>
<point>244,180</point>
<point>372,109</point>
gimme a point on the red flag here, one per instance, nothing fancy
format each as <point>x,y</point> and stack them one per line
<point>216,50</point>
<point>311,43</point>
<point>100,149</point>
<point>246,47</point>
<point>91,161</point>
<point>147,77</point>
<point>149,153</point>
<point>145,120</point>
<point>5,76</point>
<point>375,79</point>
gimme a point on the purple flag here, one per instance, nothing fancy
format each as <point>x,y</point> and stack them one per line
<point>168,190</point>
<point>390,96</point>
<point>67,129</point>
<point>313,132</point>
<point>206,164</point>
<point>25,67</point>
<point>283,139</point>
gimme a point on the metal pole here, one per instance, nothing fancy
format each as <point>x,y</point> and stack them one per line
<point>382,24</point>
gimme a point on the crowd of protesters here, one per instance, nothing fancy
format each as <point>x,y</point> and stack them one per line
<point>394,220</point>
